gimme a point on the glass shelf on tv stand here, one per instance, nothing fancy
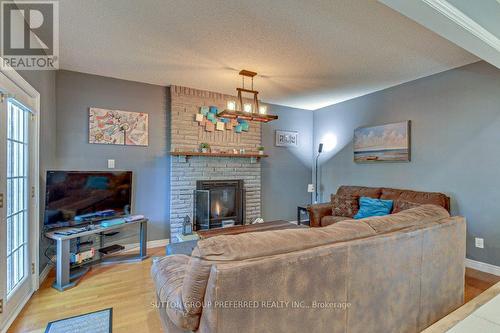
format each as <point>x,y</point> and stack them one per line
<point>99,242</point>
<point>67,277</point>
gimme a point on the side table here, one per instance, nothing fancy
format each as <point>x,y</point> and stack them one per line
<point>301,209</point>
<point>184,244</point>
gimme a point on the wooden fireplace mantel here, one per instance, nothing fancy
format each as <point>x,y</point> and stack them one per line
<point>194,153</point>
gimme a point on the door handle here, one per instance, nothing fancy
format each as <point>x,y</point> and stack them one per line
<point>1,200</point>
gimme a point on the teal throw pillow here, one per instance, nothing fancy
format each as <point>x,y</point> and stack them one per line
<point>373,207</point>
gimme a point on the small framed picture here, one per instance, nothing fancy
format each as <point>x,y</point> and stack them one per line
<point>287,138</point>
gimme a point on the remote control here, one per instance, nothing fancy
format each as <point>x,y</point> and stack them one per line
<point>133,218</point>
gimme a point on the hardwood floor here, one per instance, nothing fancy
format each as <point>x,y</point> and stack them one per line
<point>128,289</point>
<point>477,282</point>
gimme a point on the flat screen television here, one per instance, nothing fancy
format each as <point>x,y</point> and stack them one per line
<point>76,197</point>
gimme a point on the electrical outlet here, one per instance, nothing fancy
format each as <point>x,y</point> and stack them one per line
<point>111,164</point>
<point>480,243</point>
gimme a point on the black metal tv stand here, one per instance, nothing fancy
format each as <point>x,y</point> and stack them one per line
<point>67,277</point>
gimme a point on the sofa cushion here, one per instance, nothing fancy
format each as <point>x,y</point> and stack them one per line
<point>432,198</point>
<point>330,219</point>
<point>420,215</point>
<point>373,207</point>
<point>344,206</point>
<point>400,205</point>
<point>360,191</point>
<point>268,243</point>
<point>168,274</point>
<point>195,283</point>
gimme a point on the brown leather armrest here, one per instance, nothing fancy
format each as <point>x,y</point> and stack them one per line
<point>317,212</point>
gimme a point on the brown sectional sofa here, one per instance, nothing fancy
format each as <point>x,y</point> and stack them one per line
<point>320,215</point>
<point>397,273</point>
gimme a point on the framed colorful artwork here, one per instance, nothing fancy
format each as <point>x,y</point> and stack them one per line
<point>118,127</point>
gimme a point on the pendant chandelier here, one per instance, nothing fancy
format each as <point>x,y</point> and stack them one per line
<point>246,110</point>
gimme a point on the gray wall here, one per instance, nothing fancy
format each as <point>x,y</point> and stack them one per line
<point>455,115</point>
<point>455,138</point>
<point>76,92</point>
<point>286,173</point>
<point>45,83</point>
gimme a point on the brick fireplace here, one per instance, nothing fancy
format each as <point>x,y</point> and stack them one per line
<point>186,135</point>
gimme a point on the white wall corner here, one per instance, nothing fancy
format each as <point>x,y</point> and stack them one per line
<point>45,273</point>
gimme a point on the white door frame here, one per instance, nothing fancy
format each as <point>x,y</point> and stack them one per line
<point>17,85</point>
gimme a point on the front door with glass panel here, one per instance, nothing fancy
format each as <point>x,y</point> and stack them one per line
<point>15,196</point>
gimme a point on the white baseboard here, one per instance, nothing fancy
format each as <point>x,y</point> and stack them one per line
<point>45,273</point>
<point>150,244</point>
<point>482,266</point>
<point>158,243</point>
<point>301,222</point>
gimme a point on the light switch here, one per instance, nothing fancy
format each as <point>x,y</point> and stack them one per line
<point>111,164</point>
<point>479,243</point>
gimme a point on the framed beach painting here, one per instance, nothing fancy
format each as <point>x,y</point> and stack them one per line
<point>383,143</point>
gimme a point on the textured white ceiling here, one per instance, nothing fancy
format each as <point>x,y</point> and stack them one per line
<point>308,54</point>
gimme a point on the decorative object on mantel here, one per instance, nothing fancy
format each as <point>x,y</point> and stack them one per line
<point>383,143</point>
<point>118,127</point>
<point>287,138</point>
<point>187,226</point>
<point>204,147</point>
<point>248,111</point>
<point>261,150</point>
